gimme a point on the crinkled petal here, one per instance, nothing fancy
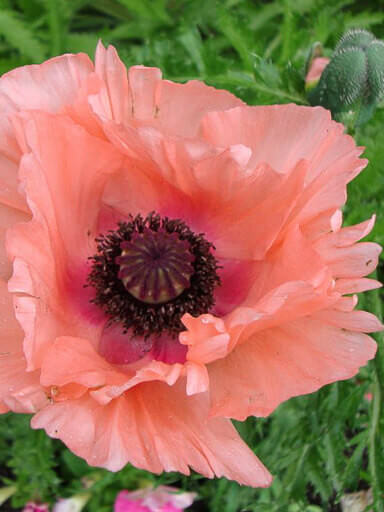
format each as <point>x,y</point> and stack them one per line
<point>74,360</point>
<point>154,427</point>
<point>299,133</point>
<point>9,186</point>
<point>149,371</point>
<point>356,285</point>
<point>360,321</point>
<point>233,239</point>
<point>351,262</point>
<point>346,259</point>
<point>207,340</point>
<point>140,95</point>
<point>49,86</point>
<point>276,364</point>
<point>8,218</point>
<point>293,260</point>
<point>20,391</point>
<point>64,176</point>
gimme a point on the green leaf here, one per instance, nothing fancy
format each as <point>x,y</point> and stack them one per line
<point>191,40</point>
<point>365,19</point>
<point>78,467</point>
<point>151,9</point>
<point>351,473</point>
<point>82,42</point>
<point>18,34</point>
<point>236,37</point>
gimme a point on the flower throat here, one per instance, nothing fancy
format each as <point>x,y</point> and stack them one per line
<point>151,271</point>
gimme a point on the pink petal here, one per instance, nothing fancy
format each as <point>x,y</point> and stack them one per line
<point>194,99</point>
<point>9,186</point>
<point>161,499</point>
<point>141,95</point>
<point>8,218</point>
<point>74,360</point>
<point>327,190</point>
<point>19,390</point>
<point>124,504</point>
<point>294,259</point>
<point>146,371</point>
<point>299,133</point>
<point>351,262</point>
<point>54,246</point>
<point>276,364</point>
<point>206,338</point>
<point>49,87</point>
<point>118,347</point>
<point>133,428</point>
<point>236,278</point>
<point>360,321</point>
<point>168,350</point>
<point>232,238</point>
<point>356,285</point>
<point>112,101</point>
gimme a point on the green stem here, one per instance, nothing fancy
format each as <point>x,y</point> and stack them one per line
<point>55,26</point>
<point>331,463</point>
<point>288,30</point>
<point>294,473</point>
<point>373,441</point>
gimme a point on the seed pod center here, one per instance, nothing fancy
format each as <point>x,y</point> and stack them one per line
<point>155,266</point>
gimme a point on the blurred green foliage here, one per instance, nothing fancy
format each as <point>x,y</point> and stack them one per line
<point>318,446</point>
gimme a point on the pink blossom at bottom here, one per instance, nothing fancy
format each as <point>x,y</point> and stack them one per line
<point>161,499</point>
<point>36,507</point>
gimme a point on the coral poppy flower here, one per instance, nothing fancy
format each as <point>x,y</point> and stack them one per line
<point>173,258</point>
<point>162,499</point>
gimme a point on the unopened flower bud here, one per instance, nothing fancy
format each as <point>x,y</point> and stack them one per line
<point>354,77</point>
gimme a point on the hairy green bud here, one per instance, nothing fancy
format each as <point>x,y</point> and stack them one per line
<point>355,38</point>
<point>354,78</point>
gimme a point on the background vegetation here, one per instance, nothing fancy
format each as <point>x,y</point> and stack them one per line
<point>319,446</point>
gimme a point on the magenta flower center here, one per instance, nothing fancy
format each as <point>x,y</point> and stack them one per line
<point>155,266</point>
<point>152,270</point>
